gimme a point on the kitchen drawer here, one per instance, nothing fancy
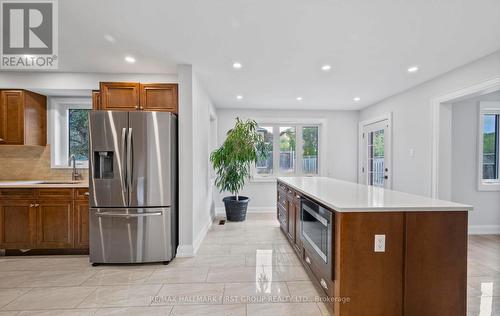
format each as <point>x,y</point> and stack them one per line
<point>17,194</point>
<point>55,194</point>
<point>82,194</point>
<point>321,270</point>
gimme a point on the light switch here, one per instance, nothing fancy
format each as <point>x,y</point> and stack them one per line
<point>379,243</point>
<point>412,152</point>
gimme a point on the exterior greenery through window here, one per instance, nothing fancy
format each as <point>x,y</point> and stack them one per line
<point>78,128</point>
<point>294,149</point>
<point>490,146</point>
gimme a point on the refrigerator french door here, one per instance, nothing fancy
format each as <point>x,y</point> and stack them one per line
<point>133,186</point>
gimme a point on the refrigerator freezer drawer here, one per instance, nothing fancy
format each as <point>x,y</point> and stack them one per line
<point>131,235</point>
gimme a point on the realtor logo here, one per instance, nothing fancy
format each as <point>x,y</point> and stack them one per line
<point>29,34</point>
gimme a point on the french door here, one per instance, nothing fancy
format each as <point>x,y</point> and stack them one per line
<point>376,154</point>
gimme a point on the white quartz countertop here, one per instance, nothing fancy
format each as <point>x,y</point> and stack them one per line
<point>343,196</point>
<point>39,184</point>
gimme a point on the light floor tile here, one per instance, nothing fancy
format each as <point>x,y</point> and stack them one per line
<point>302,291</point>
<point>60,312</point>
<point>8,295</point>
<point>58,278</point>
<point>121,276</point>
<point>179,275</point>
<point>121,296</point>
<point>284,309</point>
<point>208,310</point>
<point>189,294</point>
<point>50,298</point>
<point>255,292</point>
<point>10,279</point>
<point>135,311</point>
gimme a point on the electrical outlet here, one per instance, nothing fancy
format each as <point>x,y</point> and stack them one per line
<point>379,243</point>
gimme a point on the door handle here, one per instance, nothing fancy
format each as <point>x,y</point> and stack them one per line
<point>112,214</point>
<point>129,158</point>
<point>124,161</point>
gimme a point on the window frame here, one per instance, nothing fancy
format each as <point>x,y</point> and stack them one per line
<point>485,108</point>
<point>58,129</point>
<point>298,125</point>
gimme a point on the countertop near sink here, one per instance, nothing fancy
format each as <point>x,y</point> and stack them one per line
<point>43,184</point>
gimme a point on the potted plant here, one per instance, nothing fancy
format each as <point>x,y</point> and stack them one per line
<point>232,161</point>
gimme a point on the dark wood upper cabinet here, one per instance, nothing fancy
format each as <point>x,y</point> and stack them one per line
<point>159,97</point>
<point>133,96</point>
<point>23,118</point>
<point>96,100</point>
<point>120,96</point>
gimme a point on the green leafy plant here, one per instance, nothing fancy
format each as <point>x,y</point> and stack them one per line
<point>232,161</point>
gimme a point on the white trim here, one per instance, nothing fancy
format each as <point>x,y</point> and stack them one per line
<point>58,126</point>
<point>484,229</point>
<point>474,90</point>
<point>485,108</point>
<point>385,117</point>
<point>221,211</point>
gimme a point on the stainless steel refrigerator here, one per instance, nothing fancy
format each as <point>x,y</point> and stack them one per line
<point>133,187</point>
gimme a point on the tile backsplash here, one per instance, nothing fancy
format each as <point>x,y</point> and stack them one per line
<point>30,163</point>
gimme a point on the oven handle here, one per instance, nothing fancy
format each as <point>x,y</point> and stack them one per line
<point>314,214</point>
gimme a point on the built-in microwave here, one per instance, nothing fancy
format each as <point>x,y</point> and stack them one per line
<point>316,229</point>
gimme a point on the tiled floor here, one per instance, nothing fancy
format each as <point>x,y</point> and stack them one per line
<point>242,269</point>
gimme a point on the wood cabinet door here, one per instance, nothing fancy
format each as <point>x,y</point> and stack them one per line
<point>159,97</point>
<point>81,224</point>
<point>12,117</point>
<point>17,224</point>
<point>291,216</point>
<point>54,224</point>
<point>96,100</point>
<point>120,96</point>
<point>297,240</point>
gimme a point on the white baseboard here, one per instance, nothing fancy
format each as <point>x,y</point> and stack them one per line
<point>220,210</point>
<point>191,250</point>
<point>484,229</point>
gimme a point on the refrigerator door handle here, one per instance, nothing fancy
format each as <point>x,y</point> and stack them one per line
<point>123,161</point>
<point>129,159</point>
<point>112,214</point>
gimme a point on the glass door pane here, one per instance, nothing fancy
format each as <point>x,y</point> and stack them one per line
<point>287,149</point>
<point>264,164</point>
<point>376,158</point>
<point>310,149</point>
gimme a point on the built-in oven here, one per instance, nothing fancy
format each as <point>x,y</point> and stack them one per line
<point>316,229</point>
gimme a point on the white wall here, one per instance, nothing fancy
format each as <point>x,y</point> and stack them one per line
<point>73,81</point>
<point>195,192</point>
<point>340,146</point>
<point>412,121</point>
<point>486,215</point>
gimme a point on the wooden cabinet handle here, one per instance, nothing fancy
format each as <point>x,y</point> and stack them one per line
<point>308,260</point>
<point>297,196</point>
<point>37,205</point>
<point>32,205</point>
<point>1,139</point>
<point>86,194</point>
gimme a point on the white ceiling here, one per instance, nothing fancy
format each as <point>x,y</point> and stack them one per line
<point>282,44</point>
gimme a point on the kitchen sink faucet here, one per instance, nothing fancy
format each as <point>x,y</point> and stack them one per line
<point>75,175</point>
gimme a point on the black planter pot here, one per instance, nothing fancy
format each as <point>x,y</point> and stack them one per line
<point>236,210</point>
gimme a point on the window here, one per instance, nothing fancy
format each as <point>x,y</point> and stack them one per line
<point>489,132</point>
<point>78,128</point>
<point>68,131</point>
<point>294,149</point>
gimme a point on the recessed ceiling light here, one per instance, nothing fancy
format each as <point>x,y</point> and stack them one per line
<point>109,38</point>
<point>130,59</point>
<point>300,98</point>
<point>326,67</point>
<point>357,99</point>
<point>237,65</point>
<point>239,97</point>
<point>413,69</point>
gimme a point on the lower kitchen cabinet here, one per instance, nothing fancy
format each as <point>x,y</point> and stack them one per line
<point>54,227</point>
<point>17,224</point>
<point>58,222</point>
<point>81,224</point>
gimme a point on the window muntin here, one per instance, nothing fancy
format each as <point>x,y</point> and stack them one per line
<point>264,165</point>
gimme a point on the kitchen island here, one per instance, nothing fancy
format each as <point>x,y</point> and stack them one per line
<point>374,251</point>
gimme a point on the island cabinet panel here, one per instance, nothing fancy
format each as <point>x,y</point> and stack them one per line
<point>17,224</point>
<point>373,281</point>
<point>435,264</point>
<point>291,216</point>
